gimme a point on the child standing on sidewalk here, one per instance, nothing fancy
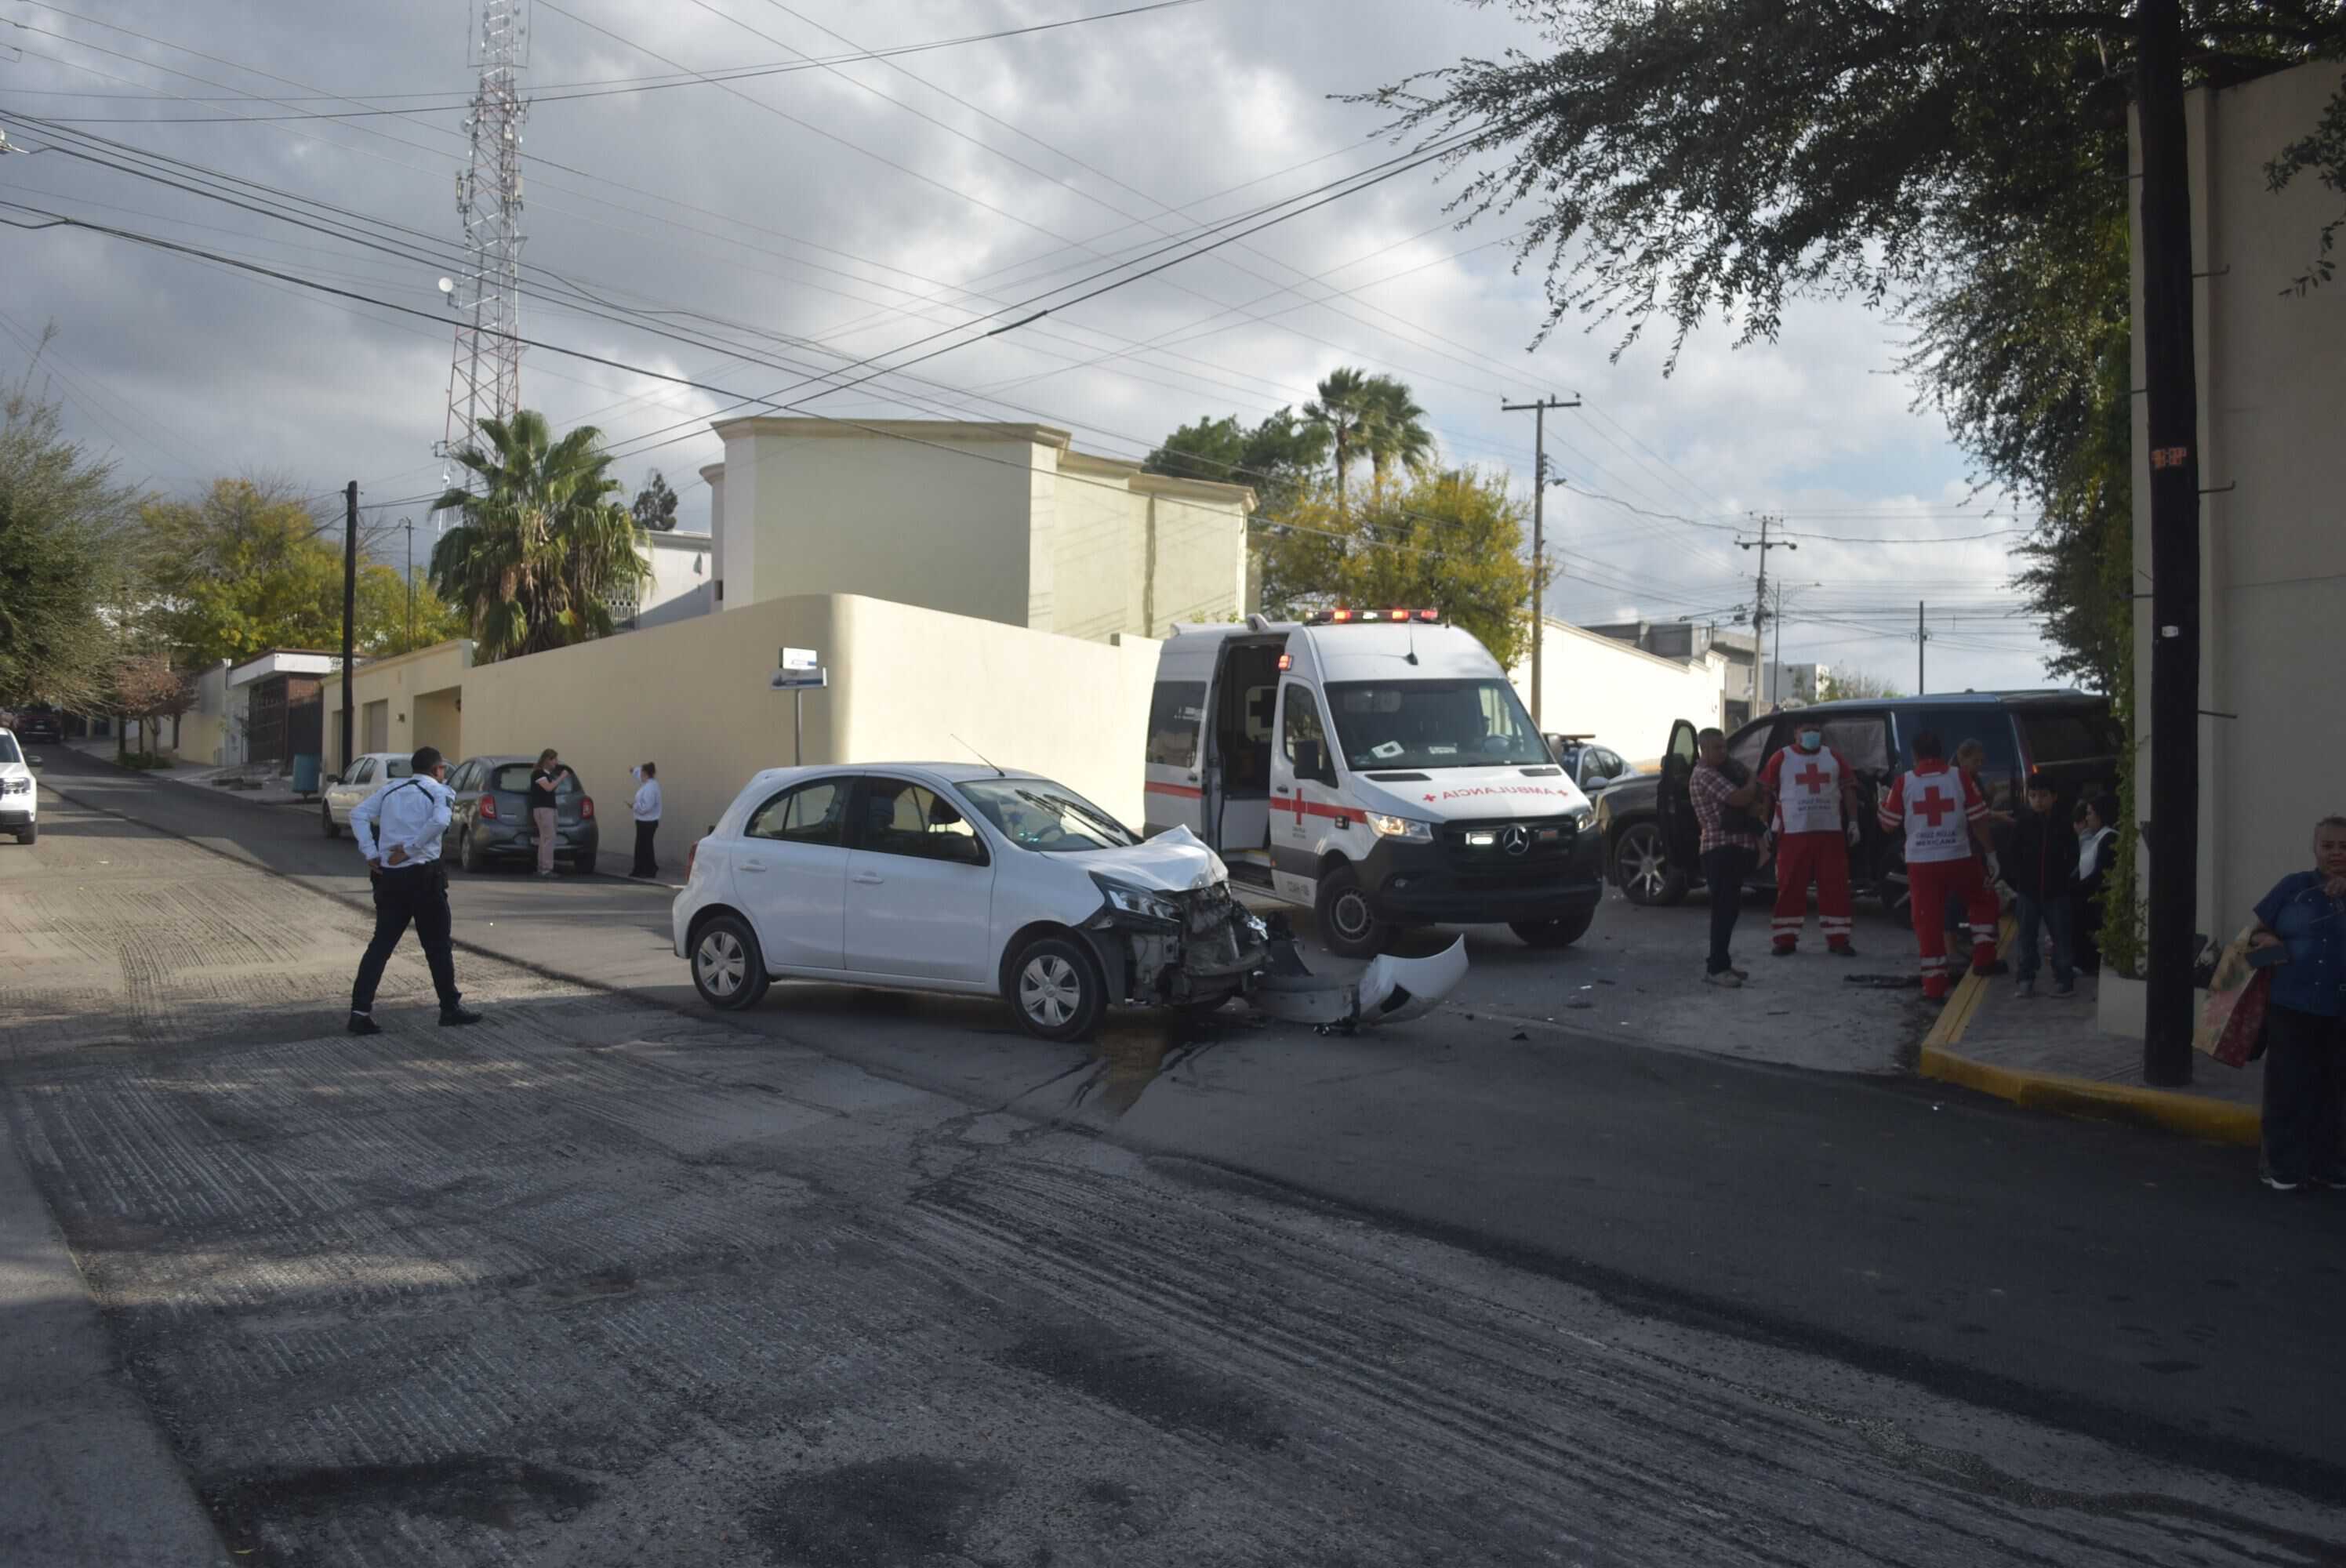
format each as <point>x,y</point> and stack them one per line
<point>2042,868</point>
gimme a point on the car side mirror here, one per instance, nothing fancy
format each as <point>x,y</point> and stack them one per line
<point>333,778</point>
<point>31,761</point>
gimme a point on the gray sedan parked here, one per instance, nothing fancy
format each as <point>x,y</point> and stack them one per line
<point>490,818</point>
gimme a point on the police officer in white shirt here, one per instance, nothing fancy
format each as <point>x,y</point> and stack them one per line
<point>647,819</point>
<point>398,830</point>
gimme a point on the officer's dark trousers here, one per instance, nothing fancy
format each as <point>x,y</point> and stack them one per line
<point>405,894</point>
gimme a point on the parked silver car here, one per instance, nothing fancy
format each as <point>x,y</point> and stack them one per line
<point>344,792</point>
<point>491,821</point>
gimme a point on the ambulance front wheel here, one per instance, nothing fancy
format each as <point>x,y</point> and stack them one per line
<point>1348,927</point>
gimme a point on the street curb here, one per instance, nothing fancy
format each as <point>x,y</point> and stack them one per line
<point>2193,1116</point>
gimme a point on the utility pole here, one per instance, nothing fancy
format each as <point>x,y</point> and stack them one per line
<point>1539,530</point>
<point>1759,599</point>
<point>2171,393</point>
<point>1922,636</point>
<point>350,608</point>
<point>408,524</point>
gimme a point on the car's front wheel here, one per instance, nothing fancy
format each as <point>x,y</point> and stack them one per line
<point>1056,990</point>
<point>468,853</point>
<point>729,968</point>
<point>28,832</point>
<point>1642,868</point>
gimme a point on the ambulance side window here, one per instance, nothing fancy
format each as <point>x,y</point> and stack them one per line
<point>1176,716</point>
<point>1306,738</point>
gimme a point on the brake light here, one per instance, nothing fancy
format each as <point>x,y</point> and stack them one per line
<point>488,807</point>
<point>586,808</point>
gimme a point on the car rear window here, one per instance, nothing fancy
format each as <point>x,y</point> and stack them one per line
<point>2071,734</point>
<point>513,778</point>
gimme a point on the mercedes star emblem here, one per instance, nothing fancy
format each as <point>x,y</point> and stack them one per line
<point>1517,839</point>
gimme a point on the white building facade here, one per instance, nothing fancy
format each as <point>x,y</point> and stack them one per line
<point>1006,523</point>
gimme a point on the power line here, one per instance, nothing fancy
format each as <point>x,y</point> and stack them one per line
<point>591,90</point>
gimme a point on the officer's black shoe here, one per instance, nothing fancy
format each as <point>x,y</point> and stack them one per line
<point>451,1017</point>
<point>362,1025</point>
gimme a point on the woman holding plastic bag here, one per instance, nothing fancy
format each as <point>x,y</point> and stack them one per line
<point>2303,921</point>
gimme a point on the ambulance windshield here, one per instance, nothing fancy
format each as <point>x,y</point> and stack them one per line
<point>1434,724</point>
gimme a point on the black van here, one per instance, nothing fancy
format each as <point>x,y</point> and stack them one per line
<point>1652,840</point>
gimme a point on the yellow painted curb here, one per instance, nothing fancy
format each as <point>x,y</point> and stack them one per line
<point>2193,1115</point>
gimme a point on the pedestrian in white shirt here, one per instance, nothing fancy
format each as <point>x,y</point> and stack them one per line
<point>398,830</point>
<point>647,816</point>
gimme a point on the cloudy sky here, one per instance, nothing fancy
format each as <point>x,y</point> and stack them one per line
<point>751,233</point>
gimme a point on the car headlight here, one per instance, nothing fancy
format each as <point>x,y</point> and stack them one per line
<point>15,786</point>
<point>1404,828</point>
<point>1124,899</point>
<point>1581,816</point>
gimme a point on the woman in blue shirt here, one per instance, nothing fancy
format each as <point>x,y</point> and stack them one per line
<point>2305,1034</point>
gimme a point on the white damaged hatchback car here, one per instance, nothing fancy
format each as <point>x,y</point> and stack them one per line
<point>962,879</point>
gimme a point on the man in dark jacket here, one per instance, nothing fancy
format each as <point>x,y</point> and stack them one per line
<point>2041,871</point>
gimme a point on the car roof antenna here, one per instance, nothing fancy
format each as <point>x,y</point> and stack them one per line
<point>981,756</point>
<point>1412,640</point>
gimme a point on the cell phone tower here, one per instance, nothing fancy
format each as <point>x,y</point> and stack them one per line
<point>484,379</point>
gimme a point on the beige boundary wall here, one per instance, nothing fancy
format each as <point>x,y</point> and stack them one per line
<point>421,694</point>
<point>693,697</point>
<point>1623,696</point>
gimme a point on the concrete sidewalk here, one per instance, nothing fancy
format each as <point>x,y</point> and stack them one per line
<point>257,782</point>
<point>2046,1052</point>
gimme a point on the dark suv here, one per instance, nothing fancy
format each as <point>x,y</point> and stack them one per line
<point>1652,840</point>
<point>491,821</point>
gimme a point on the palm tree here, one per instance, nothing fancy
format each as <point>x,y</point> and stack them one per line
<point>1393,430</point>
<point>544,544</point>
<point>1342,414</point>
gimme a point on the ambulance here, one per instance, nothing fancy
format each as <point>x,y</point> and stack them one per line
<point>1376,766</point>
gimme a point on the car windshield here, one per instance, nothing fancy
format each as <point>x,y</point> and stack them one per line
<point>1434,724</point>
<point>1050,818</point>
<point>8,752</point>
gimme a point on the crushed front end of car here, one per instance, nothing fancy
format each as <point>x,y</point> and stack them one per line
<point>1195,948</point>
<point>1200,947</point>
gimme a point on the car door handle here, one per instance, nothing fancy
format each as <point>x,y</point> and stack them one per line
<point>1278,788</point>
<point>867,879</point>
<point>753,865</point>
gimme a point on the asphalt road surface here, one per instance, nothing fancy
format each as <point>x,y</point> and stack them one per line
<point>863,1282</point>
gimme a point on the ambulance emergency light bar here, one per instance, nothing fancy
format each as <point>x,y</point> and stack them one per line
<point>1366,617</point>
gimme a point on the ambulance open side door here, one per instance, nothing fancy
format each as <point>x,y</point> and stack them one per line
<point>1175,788</point>
<point>1308,819</point>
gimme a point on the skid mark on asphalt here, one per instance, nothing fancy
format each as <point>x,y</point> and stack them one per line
<point>597,1284</point>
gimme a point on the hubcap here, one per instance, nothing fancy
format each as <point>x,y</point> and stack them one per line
<point>1642,865</point>
<point>1350,915</point>
<point>1049,989</point>
<point>721,963</point>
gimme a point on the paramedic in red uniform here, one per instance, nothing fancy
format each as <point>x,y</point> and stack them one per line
<point>1943,812</point>
<point>1815,791</point>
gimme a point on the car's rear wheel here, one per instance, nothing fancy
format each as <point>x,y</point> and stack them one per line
<point>1056,990</point>
<point>1349,928</point>
<point>326,821</point>
<point>1549,934</point>
<point>729,968</point>
<point>468,853</point>
<point>584,865</point>
<point>1642,868</point>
